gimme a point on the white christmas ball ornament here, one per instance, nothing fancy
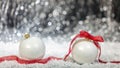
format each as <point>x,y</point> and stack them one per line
<point>32,48</point>
<point>84,51</point>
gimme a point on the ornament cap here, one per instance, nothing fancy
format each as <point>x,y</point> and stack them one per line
<point>26,36</point>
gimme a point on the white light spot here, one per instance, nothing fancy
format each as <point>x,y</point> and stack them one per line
<point>104,19</point>
<point>18,34</point>
<point>80,22</point>
<point>105,8</point>
<point>32,4</point>
<point>46,3</point>
<point>2,19</point>
<point>55,13</point>
<point>22,7</point>
<point>64,12</point>
<point>57,28</point>
<point>16,13</point>
<point>49,23</point>
<point>42,15</point>
<point>37,2</point>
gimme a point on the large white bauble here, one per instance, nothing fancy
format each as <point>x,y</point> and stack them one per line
<point>32,48</point>
<point>84,51</point>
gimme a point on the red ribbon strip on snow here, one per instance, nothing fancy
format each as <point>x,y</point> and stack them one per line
<point>23,61</point>
<point>96,39</point>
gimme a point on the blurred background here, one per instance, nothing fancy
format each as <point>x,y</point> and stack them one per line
<point>59,19</point>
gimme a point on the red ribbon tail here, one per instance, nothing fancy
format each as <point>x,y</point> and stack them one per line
<point>98,38</point>
<point>100,60</point>
<point>70,47</point>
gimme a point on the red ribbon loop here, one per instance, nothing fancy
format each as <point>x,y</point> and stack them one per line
<point>85,34</point>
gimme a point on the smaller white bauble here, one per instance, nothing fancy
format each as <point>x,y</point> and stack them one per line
<point>32,48</point>
<point>84,52</point>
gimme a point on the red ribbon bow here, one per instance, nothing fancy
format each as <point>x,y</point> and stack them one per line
<point>89,36</point>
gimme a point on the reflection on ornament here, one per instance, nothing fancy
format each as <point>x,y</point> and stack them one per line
<point>84,51</point>
<point>31,48</point>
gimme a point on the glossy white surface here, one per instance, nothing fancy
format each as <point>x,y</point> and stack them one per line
<point>84,52</point>
<point>32,48</point>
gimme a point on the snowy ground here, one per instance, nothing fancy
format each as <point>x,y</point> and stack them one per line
<point>110,51</point>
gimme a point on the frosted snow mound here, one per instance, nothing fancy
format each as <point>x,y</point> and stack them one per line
<point>56,64</point>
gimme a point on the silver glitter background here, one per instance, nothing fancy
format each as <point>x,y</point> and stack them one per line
<point>58,19</point>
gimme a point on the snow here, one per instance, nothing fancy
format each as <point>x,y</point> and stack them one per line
<point>110,51</point>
